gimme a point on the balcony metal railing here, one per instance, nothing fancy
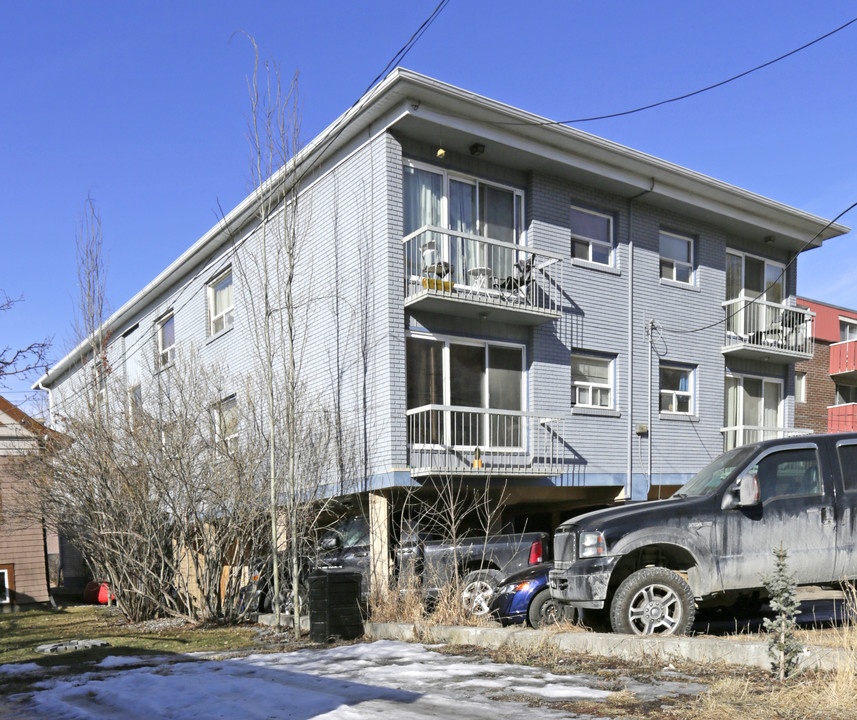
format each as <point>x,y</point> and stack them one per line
<point>738,435</point>
<point>843,357</point>
<point>464,440</point>
<point>478,269</point>
<point>768,326</point>
<point>842,418</point>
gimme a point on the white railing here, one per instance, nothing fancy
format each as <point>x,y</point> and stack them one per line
<point>482,270</point>
<point>464,440</point>
<point>738,435</point>
<point>768,326</point>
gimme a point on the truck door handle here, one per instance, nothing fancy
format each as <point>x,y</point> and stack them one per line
<point>827,515</point>
<point>361,554</point>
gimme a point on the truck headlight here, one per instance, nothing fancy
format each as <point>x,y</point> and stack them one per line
<point>592,544</point>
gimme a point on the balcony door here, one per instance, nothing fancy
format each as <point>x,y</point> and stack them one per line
<point>752,410</point>
<point>748,278</point>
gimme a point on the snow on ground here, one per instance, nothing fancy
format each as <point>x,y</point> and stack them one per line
<point>22,669</point>
<point>358,682</point>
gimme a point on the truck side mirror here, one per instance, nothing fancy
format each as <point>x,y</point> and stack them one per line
<point>749,493</point>
<point>329,542</point>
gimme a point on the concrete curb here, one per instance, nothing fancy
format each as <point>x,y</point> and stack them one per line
<point>627,647</point>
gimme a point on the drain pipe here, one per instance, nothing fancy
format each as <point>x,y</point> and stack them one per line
<point>630,472</point>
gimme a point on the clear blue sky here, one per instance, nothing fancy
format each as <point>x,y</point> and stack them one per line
<point>143,106</point>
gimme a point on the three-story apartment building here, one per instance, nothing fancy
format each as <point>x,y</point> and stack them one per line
<point>497,296</point>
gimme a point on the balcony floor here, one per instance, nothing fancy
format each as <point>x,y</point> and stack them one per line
<point>479,305</point>
<point>765,353</point>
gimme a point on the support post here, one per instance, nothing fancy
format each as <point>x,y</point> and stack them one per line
<point>379,543</point>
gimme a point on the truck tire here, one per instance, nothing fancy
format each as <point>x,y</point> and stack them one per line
<point>477,591</point>
<point>653,601</point>
<point>544,610</point>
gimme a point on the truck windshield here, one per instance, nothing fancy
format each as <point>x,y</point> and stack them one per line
<point>712,476</point>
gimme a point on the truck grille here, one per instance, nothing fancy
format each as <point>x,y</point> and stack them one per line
<point>564,547</point>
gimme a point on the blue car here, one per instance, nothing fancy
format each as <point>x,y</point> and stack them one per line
<point>525,598</point>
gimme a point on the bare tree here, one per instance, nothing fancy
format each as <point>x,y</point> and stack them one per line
<point>20,362</point>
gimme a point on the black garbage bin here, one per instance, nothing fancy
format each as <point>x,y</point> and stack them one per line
<point>334,604</point>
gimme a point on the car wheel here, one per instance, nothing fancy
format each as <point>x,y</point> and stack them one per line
<point>653,601</point>
<point>477,591</point>
<point>544,610</point>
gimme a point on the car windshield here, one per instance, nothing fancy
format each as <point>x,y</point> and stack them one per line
<point>354,531</point>
<point>712,476</point>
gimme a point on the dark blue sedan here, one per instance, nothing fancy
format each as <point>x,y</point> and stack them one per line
<point>525,598</point>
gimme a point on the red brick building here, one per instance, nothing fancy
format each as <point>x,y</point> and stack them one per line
<point>826,386</point>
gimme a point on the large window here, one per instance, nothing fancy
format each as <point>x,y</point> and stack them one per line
<point>226,424</point>
<point>845,394</point>
<point>220,305</point>
<point>751,277</point>
<point>465,205</point>
<point>478,388</point>
<point>752,410</point>
<point>166,341</point>
<point>591,236</point>
<point>592,381</point>
<point>676,389</point>
<point>676,257</point>
<point>847,329</point>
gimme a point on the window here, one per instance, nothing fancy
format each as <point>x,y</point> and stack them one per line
<point>591,236</point>
<point>220,304</point>
<point>848,465</point>
<point>226,424</point>
<point>847,329</point>
<point>592,381</point>
<point>845,394</point>
<point>166,341</point>
<point>786,473</point>
<point>481,385</point>
<point>676,389</point>
<point>676,257</point>
<point>135,406</point>
<point>7,584</point>
<point>751,410</point>
<point>800,387</point>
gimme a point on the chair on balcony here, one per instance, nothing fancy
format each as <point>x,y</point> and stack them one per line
<point>516,286</point>
<point>434,274</point>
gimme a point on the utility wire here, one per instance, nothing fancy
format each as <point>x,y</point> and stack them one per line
<point>400,55</point>
<point>686,95</point>
<point>758,297</point>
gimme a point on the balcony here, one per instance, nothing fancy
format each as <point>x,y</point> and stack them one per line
<point>843,361</point>
<point>761,330</point>
<point>451,440</point>
<point>842,418</point>
<point>472,276</point>
<point>739,435</point>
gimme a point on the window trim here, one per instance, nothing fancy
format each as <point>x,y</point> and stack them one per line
<point>210,290</point>
<point>610,386</point>
<point>800,387</point>
<point>170,351</point>
<point>691,393</point>
<point>611,262</point>
<point>691,241</point>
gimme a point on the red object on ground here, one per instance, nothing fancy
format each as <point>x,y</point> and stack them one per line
<point>99,593</point>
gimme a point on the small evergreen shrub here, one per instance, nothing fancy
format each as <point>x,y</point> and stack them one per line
<point>783,646</point>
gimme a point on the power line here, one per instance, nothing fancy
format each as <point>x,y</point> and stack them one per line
<point>686,95</point>
<point>779,277</point>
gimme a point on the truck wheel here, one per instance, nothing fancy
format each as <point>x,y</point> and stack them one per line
<point>653,601</point>
<point>478,589</point>
<point>544,610</point>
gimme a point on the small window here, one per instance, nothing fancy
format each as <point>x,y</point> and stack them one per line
<point>800,387</point>
<point>676,257</point>
<point>135,405</point>
<point>220,304</point>
<point>591,236</point>
<point>166,341</point>
<point>847,329</point>
<point>676,389</point>
<point>5,595</point>
<point>226,424</point>
<point>848,466</point>
<point>592,381</point>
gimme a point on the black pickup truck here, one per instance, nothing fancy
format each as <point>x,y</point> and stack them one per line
<point>646,567</point>
<point>482,561</point>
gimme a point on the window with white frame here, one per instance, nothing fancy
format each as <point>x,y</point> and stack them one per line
<point>226,424</point>
<point>591,236</point>
<point>846,394</point>
<point>220,304</point>
<point>847,329</point>
<point>592,381</point>
<point>676,253</point>
<point>5,595</point>
<point>752,410</point>
<point>135,406</point>
<point>676,389</point>
<point>166,341</point>
<point>481,384</point>
<point>800,387</point>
